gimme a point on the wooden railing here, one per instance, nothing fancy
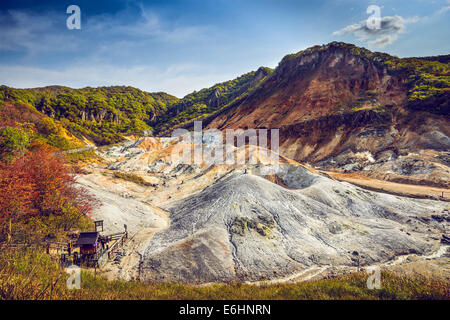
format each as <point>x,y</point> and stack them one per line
<point>61,248</point>
<point>119,239</point>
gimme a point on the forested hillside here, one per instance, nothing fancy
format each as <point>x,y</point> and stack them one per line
<point>39,199</point>
<point>103,115</point>
<point>206,102</point>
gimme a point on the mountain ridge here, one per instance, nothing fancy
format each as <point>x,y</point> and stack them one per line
<point>421,84</point>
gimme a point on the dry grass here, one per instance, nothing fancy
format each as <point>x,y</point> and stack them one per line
<point>132,177</point>
<point>31,274</point>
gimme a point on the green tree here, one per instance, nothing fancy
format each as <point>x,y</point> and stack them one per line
<point>15,139</point>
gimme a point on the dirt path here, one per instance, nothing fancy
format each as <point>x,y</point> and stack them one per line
<point>303,275</point>
<point>126,265</point>
<point>421,264</point>
<point>407,190</point>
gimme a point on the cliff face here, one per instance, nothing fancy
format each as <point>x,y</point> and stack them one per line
<point>317,83</point>
<point>334,102</point>
<point>99,116</point>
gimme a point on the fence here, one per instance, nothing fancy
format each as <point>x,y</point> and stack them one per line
<point>63,251</point>
<point>119,239</point>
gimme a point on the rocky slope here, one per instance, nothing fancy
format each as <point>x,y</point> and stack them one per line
<point>247,228</point>
<point>342,107</point>
<point>251,222</point>
<point>338,106</point>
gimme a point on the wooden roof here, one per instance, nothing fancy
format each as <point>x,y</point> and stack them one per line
<point>87,238</point>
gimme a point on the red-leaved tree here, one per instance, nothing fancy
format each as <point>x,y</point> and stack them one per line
<point>39,185</point>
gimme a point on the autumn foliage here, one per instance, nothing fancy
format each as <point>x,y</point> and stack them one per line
<point>39,194</point>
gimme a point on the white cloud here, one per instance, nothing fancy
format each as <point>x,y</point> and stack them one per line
<point>387,33</point>
<point>147,25</point>
<point>382,41</point>
<point>101,52</point>
<point>443,10</point>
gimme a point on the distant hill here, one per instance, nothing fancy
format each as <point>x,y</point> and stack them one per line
<point>340,78</point>
<point>198,105</point>
<point>339,99</point>
<point>103,115</point>
<point>441,58</point>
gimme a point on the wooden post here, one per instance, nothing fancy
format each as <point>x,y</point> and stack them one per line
<point>98,224</point>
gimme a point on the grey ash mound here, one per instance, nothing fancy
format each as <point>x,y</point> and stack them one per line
<point>245,227</point>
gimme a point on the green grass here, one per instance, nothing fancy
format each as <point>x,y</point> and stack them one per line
<point>31,274</point>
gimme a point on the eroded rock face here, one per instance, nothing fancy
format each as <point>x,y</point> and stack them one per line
<point>118,208</point>
<point>99,116</point>
<point>247,228</point>
<point>331,104</point>
<point>214,98</point>
<point>200,223</point>
<point>314,85</point>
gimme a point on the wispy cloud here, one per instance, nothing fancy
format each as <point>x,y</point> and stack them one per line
<point>147,25</point>
<point>387,33</point>
<point>151,25</point>
<point>443,10</point>
<point>21,30</point>
<point>123,48</point>
<point>36,33</point>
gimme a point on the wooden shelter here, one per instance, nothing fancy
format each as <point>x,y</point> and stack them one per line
<point>88,243</point>
<point>95,249</point>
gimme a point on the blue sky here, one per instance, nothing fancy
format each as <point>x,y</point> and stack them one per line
<point>181,46</point>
